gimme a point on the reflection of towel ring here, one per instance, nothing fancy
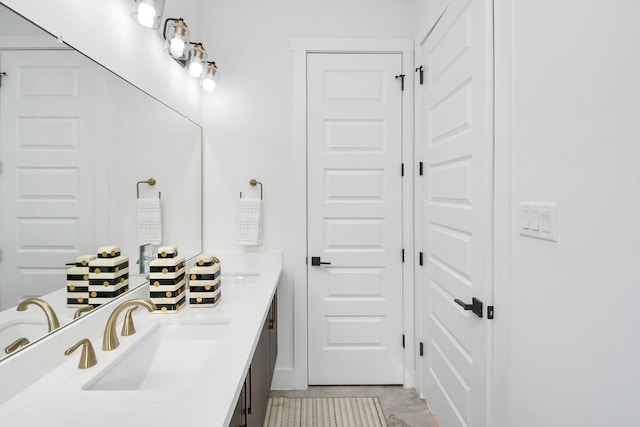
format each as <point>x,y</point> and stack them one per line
<point>253,183</point>
<point>150,181</point>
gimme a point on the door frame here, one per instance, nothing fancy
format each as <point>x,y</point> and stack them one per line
<point>297,376</point>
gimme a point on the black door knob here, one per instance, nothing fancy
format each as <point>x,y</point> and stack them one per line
<point>475,306</point>
<point>315,261</point>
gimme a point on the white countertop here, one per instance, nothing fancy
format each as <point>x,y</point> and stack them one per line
<point>58,398</point>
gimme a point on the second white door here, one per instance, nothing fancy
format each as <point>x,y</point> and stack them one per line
<point>354,119</point>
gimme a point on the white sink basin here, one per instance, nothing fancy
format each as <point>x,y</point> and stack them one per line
<point>14,329</point>
<point>169,357</point>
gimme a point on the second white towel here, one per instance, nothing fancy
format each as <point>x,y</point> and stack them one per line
<point>250,222</point>
<point>149,221</point>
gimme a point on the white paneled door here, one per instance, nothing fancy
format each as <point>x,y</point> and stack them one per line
<point>354,120</point>
<point>455,141</point>
<point>47,139</point>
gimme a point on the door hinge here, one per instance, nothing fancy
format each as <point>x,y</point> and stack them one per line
<point>402,340</point>
<point>421,70</point>
<point>402,169</point>
<point>401,77</point>
<point>489,312</point>
<point>420,168</point>
<point>421,349</point>
<point>421,258</point>
<point>403,255</point>
<point>2,74</point>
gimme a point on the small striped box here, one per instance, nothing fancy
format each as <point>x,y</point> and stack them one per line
<point>78,282</point>
<point>205,282</point>
<point>167,285</point>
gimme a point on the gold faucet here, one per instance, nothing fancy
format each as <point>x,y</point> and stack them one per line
<point>20,342</point>
<point>88,356</point>
<point>110,340</point>
<point>52,319</point>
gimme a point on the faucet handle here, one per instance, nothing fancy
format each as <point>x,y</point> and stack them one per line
<point>128,328</point>
<point>88,356</point>
<point>20,342</point>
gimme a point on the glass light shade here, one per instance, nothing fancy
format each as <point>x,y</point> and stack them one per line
<point>177,38</point>
<point>210,78</point>
<point>148,13</point>
<point>197,60</point>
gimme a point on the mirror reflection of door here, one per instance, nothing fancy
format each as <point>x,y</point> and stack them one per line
<point>47,183</point>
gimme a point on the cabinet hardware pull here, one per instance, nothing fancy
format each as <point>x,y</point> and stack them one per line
<point>249,409</point>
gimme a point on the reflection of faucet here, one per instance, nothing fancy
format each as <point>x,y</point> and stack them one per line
<point>146,256</point>
<point>110,340</point>
<point>20,342</point>
<point>79,312</point>
<point>52,319</point>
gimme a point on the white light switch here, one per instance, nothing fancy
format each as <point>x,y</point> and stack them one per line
<point>539,220</point>
<point>534,217</point>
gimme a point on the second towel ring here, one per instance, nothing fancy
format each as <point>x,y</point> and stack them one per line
<point>150,181</point>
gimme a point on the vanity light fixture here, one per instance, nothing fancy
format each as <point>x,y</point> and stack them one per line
<point>148,13</point>
<point>210,78</point>
<point>196,61</point>
<point>176,35</point>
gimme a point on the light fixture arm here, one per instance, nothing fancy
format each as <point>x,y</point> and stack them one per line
<point>166,23</point>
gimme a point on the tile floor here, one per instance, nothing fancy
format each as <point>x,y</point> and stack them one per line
<point>402,407</point>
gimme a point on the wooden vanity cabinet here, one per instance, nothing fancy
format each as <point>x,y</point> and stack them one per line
<point>251,406</point>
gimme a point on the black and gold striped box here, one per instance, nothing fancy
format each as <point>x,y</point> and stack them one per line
<point>166,268</point>
<point>109,252</point>
<point>205,282</point>
<point>167,252</point>
<point>168,298</point>
<point>108,275</point>
<point>78,282</point>
<point>167,280</point>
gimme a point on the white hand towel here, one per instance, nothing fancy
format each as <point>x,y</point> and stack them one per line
<point>149,221</point>
<point>250,222</point>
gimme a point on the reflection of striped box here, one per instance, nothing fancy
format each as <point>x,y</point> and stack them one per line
<point>108,275</point>
<point>205,282</point>
<point>109,252</point>
<point>167,283</point>
<point>78,282</point>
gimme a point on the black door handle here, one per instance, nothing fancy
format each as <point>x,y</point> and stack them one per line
<point>475,306</point>
<point>315,261</point>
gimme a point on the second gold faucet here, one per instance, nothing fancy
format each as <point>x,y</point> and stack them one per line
<point>110,340</point>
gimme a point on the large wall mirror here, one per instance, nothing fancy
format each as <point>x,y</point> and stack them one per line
<point>75,141</point>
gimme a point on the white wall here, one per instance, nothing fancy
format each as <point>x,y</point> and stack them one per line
<point>573,339</point>
<point>427,14</point>
<point>104,31</point>
<point>248,123</point>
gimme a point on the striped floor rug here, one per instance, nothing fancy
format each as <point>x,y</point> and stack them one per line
<point>324,412</point>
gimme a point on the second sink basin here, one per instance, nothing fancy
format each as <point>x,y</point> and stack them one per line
<point>168,357</point>
<point>14,329</point>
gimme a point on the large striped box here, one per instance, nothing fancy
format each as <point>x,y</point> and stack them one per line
<point>108,275</point>
<point>167,280</point>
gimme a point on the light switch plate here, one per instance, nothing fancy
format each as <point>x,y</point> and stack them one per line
<point>539,220</point>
